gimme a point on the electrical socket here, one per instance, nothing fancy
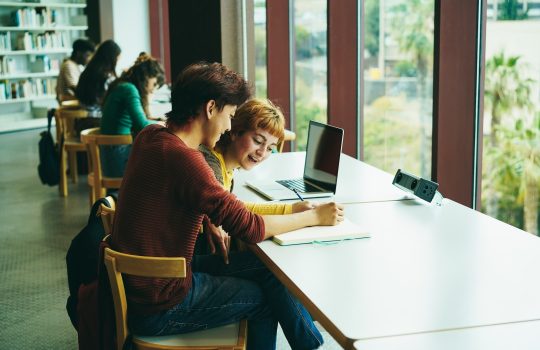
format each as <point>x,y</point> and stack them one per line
<point>426,189</point>
<point>422,188</point>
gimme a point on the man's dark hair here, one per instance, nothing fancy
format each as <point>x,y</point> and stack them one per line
<point>201,82</point>
<point>83,45</point>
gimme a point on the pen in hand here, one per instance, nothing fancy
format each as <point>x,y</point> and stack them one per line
<point>298,194</point>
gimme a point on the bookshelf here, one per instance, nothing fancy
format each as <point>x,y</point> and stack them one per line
<point>35,37</point>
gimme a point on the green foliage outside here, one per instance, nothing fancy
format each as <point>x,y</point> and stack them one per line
<point>304,113</point>
<point>511,168</point>
<point>405,69</point>
<point>391,137</point>
<point>511,10</point>
<point>371,39</point>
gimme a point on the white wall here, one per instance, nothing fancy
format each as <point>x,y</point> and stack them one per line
<point>129,26</point>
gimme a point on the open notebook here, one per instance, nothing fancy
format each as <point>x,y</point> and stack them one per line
<point>345,230</point>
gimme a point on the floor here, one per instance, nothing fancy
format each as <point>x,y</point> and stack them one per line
<point>36,229</point>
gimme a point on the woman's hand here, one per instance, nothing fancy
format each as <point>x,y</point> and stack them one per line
<point>303,206</point>
<point>329,214</point>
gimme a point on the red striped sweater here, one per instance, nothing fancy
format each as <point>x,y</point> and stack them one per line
<point>166,190</point>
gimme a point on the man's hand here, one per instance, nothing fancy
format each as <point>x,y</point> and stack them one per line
<point>217,237</point>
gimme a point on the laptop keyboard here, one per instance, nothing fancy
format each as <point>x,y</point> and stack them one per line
<point>299,184</point>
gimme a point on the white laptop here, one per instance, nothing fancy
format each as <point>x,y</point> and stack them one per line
<point>320,169</point>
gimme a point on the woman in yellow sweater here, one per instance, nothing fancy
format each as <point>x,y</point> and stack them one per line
<point>257,128</point>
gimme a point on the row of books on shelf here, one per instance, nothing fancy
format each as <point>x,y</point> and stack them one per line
<point>47,40</point>
<point>40,64</point>
<point>34,17</point>
<point>35,41</point>
<point>26,88</point>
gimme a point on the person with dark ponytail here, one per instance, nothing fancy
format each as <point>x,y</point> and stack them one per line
<point>97,76</point>
<point>169,190</point>
<point>125,109</point>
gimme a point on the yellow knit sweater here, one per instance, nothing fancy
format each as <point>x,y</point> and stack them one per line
<point>217,163</point>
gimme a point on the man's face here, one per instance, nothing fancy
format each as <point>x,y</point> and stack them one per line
<point>219,123</point>
<point>83,58</point>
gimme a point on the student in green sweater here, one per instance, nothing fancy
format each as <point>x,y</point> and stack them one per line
<point>125,109</point>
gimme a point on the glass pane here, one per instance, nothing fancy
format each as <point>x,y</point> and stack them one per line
<point>398,85</point>
<point>310,67</point>
<point>511,149</point>
<point>260,48</point>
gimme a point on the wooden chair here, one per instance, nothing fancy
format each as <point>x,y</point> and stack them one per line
<point>289,136</point>
<point>229,337</point>
<point>69,143</point>
<point>107,214</point>
<point>99,184</point>
<point>70,104</point>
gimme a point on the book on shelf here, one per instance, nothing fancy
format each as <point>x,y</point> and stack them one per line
<point>5,41</point>
<point>7,65</point>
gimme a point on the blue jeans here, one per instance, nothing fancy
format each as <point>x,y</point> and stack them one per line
<point>114,159</point>
<point>223,294</point>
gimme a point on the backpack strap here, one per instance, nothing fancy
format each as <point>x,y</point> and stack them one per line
<point>50,115</point>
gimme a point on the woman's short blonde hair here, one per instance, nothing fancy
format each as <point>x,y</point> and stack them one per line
<point>256,114</point>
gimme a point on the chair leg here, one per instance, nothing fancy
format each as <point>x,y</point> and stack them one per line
<point>92,196</point>
<point>73,166</point>
<point>62,185</point>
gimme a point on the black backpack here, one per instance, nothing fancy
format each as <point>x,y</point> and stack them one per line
<point>82,258</point>
<point>49,166</point>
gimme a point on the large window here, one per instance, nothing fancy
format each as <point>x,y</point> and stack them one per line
<point>511,148</point>
<point>310,66</point>
<point>398,84</point>
<point>260,48</point>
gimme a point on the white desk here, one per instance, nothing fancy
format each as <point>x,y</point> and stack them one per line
<point>357,181</point>
<point>515,336</point>
<point>425,268</point>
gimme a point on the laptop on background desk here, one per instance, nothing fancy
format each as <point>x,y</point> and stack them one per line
<point>321,168</point>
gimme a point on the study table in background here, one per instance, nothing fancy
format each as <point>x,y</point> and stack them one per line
<point>426,268</point>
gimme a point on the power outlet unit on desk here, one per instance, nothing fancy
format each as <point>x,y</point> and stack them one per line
<point>422,188</point>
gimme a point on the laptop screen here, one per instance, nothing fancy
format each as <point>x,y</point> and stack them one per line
<point>322,155</point>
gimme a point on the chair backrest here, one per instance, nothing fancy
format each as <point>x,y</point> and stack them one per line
<point>93,138</point>
<point>289,136</point>
<point>65,122</point>
<point>120,263</point>
<point>107,214</point>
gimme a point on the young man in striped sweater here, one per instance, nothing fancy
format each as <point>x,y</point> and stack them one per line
<point>168,190</point>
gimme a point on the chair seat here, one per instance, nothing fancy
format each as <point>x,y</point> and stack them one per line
<point>74,144</point>
<point>224,336</point>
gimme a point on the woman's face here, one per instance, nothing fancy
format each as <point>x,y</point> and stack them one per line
<point>151,85</point>
<point>252,147</point>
